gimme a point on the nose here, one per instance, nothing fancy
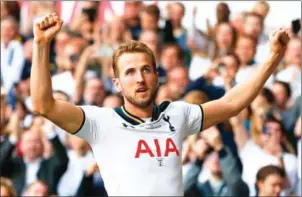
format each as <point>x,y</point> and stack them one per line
<point>140,77</point>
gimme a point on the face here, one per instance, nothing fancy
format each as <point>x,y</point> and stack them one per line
<point>271,186</point>
<point>178,80</point>
<point>112,102</point>
<point>38,189</point>
<point>4,191</point>
<point>70,57</point>
<point>151,40</point>
<point>224,36</point>
<point>271,134</point>
<point>132,9</point>
<point>8,31</point>
<point>148,22</point>
<point>169,58</point>
<point>261,10</point>
<point>231,65</point>
<point>238,22</point>
<point>31,147</point>
<point>137,80</point>
<point>280,94</point>
<point>293,55</point>
<point>212,163</point>
<point>252,26</point>
<point>177,14</point>
<point>245,49</point>
<point>61,40</point>
<point>94,91</point>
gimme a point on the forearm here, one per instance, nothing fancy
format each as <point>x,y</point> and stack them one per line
<point>243,94</point>
<point>40,81</point>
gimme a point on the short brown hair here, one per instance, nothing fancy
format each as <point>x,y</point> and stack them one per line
<point>263,4</point>
<point>153,10</point>
<point>266,171</point>
<point>131,47</point>
<point>179,50</point>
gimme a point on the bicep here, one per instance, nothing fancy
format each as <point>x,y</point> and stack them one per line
<point>66,115</point>
<point>216,112</point>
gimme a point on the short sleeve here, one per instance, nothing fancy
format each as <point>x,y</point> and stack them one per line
<point>94,123</point>
<point>193,116</point>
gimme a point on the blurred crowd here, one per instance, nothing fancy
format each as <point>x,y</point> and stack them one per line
<point>255,153</point>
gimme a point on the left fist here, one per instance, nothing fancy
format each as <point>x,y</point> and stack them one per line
<point>278,41</point>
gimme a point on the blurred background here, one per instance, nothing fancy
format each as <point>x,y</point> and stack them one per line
<point>202,50</point>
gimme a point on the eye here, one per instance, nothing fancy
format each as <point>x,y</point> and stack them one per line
<point>130,72</point>
<point>146,70</point>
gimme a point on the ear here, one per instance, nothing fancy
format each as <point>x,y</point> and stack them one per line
<point>117,84</point>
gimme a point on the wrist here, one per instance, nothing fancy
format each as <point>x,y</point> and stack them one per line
<point>41,42</point>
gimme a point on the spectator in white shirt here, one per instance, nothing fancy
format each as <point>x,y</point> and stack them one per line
<point>12,56</point>
<point>269,152</point>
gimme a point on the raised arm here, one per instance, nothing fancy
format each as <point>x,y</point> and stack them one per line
<point>243,94</point>
<point>65,115</point>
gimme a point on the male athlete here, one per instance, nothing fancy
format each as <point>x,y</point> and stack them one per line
<point>138,146</point>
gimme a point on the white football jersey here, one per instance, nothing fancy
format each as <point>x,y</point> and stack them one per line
<point>137,157</point>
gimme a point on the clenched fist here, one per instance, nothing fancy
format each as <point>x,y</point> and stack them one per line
<point>278,41</point>
<point>46,28</point>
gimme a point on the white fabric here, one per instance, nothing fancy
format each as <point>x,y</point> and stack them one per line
<point>64,82</point>
<point>31,171</point>
<point>73,176</point>
<point>291,75</point>
<point>198,67</point>
<point>253,158</point>
<point>125,170</point>
<point>12,62</point>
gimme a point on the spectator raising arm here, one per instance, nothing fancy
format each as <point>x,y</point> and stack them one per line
<point>65,115</point>
<point>243,94</point>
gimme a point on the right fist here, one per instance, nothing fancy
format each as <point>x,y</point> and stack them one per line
<point>46,28</point>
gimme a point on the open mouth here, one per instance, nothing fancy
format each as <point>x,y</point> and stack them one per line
<point>141,90</point>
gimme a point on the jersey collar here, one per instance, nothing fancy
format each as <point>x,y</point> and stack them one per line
<point>134,120</point>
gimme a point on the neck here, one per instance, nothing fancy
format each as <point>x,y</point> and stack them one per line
<point>273,150</point>
<point>216,176</point>
<point>32,160</point>
<point>140,112</point>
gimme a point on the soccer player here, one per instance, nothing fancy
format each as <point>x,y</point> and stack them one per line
<point>138,146</point>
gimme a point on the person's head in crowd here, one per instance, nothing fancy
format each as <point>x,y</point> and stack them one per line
<point>113,101</point>
<point>264,99</point>
<point>31,145</point>
<point>117,31</point>
<point>151,39</point>
<point>7,188</point>
<point>80,146</point>
<point>270,180</point>
<point>282,93</point>
<point>131,12</point>
<point>222,12</point>
<point>211,163</point>
<point>9,29</point>
<point>134,67</point>
<point>196,97</point>
<point>262,8</point>
<point>225,38</point>
<point>10,8</point>
<point>172,56</point>
<point>177,81</point>
<point>94,92</point>
<point>238,22</point>
<point>61,39</point>
<point>72,52</point>
<point>253,25</point>
<point>163,94</point>
<point>272,136</point>
<point>293,52</point>
<point>177,14</point>
<point>246,49</point>
<point>229,64</point>
<point>37,188</point>
<point>150,16</point>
